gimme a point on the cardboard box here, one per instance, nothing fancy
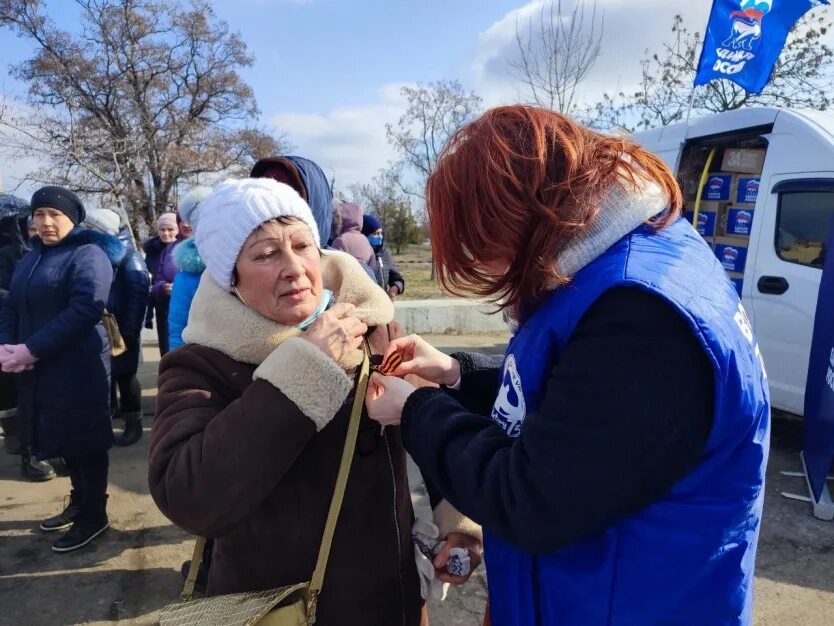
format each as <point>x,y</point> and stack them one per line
<point>718,187</point>
<point>747,189</point>
<point>743,160</point>
<point>739,221</point>
<point>738,281</point>
<point>706,222</point>
<point>732,253</point>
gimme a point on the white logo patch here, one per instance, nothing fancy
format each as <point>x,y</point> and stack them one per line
<point>509,409</point>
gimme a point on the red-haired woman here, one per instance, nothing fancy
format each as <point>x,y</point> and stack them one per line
<point>616,457</point>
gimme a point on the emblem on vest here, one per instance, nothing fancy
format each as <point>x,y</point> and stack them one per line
<point>509,409</point>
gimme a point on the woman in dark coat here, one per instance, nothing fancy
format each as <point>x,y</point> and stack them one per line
<point>128,301</point>
<point>163,271</point>
<point>51,334</point>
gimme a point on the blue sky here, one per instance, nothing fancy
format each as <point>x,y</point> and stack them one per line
<point>328,72</point>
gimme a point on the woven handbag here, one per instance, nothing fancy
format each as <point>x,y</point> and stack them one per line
<point>291,605</point>
<point>114,335</point>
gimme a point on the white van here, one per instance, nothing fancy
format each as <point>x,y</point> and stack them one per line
<point>791,222</point>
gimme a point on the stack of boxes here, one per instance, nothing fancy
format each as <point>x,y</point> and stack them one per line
<point>726,212</point>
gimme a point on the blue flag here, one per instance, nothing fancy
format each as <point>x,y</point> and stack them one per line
<point>818,429</point>
<point>744,39</point>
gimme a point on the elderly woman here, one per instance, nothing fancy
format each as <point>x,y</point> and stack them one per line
<point>616,457</point>
<point>52,336</point>
<point>158,259</point>
<point>253,410</point>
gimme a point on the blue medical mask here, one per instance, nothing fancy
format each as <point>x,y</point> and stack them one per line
<point>376,242</point>
<point>326,301</point>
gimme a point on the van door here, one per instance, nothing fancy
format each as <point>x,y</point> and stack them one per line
<point>782,295</point>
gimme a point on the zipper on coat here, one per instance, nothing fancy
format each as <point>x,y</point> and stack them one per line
<point>397,526</point>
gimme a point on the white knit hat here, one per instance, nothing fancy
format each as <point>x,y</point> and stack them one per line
<point>235,208</point>
<point>103,220</point>
<point>189,202</point>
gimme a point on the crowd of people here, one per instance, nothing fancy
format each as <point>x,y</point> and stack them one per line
<point>271,301</point>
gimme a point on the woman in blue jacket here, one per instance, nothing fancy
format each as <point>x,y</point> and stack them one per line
<point>616,457</point>
<point>189,266</point>
<point>127,302</point>
<point>52,336</point>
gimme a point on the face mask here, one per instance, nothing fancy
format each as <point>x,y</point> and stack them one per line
<point>326,300</point>
<point>376,242</point>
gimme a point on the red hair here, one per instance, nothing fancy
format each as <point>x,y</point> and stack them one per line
<point>519,184</point>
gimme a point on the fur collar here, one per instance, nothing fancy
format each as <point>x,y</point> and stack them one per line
<point>80,236</point>
<point>219,320</point>
<point>187,258</point>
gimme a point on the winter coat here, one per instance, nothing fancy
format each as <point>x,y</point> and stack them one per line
<point>351,239</point>
<point>10,254</point>
<point>153,248</point>
<point>386,273</point>
<point>190,265</point>
<point>165,272</point>
<point>128,302</point>
<point>54,306</point>
<point>250,425</point>
<point>316,188</point>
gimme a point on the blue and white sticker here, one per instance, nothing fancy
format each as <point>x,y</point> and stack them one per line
<point>509,409</point>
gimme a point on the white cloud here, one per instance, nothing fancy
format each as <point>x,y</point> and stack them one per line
<point>630,28</point>
<point>349,141</point>
<point>14,167</point>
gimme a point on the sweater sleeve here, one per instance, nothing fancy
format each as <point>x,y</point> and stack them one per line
<point>624,415</point>
<point>480,375</point>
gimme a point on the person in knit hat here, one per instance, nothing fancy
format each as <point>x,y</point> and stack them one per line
<point>252,416</point>
<point>189,265</point>
<point>386,272</point>
<point>128,301</point>
<point>163,271</point>
<point>52,338</point>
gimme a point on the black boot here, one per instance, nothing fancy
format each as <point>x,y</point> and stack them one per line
<point>90,522</point>
<point>34,470</point>
<point>64,519</point>
<point>132,432</point>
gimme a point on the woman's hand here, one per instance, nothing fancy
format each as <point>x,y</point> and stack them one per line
<point>422,359</point>
<point>16,358</point>
<point>457,540</point>
<point>167,288</point>
<point>336,332</point>
<point>386,398</point>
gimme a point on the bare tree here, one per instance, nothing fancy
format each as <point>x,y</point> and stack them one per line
<point>384,198</point>
<point>557,53</point>
<point>144,94</point>
<point>801,78</point>
<point>435,112</point>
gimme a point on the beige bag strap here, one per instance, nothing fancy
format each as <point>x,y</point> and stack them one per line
<point>191,579</point>
<point>341,482</point>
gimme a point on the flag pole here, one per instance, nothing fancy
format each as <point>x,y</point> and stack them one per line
<point>691,103</point>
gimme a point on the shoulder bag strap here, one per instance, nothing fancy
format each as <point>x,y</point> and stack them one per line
<point>335,503</point>
<point>339,491</point>
<point>191,579</point>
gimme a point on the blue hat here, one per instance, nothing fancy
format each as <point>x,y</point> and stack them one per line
<point>370,224</point>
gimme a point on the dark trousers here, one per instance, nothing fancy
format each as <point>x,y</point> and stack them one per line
<point>126,397</point>
<point>162,328</point>
<point>14,423</point>
<point>88,475</point>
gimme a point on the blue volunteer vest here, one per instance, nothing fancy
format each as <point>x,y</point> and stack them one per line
<point>687,559</point>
